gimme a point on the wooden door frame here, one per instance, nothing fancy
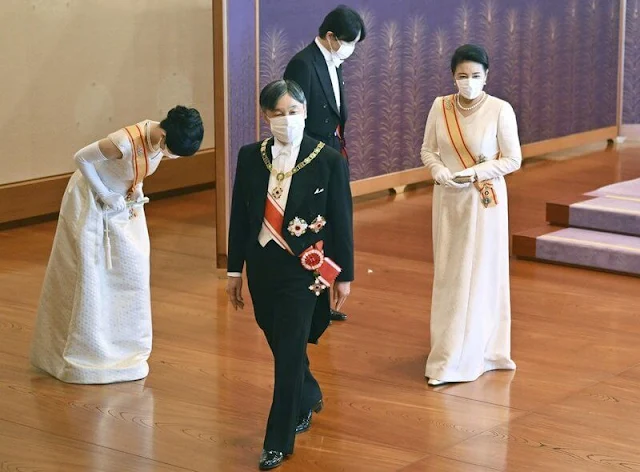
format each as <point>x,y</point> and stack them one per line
<point>221,110</point>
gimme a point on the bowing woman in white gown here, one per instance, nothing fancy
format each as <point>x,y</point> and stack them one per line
<point>470,144</point>
<point>94,318</point>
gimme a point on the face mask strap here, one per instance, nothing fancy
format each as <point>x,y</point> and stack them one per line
<point>169,154</point>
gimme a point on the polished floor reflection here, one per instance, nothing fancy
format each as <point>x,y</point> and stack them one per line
<point>572,405</point>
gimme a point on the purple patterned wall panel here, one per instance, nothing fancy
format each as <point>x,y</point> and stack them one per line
<point>555,61</point>
<point>241,73</point>
<point>631,111</point>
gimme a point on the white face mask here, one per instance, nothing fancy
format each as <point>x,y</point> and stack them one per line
<point>344,52</point>
<point>288,129</point>
<point>470,88</point>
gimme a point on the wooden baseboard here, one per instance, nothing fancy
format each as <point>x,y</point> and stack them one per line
<point>401,179</point>
<point>389,181</point>
<point>567,142</point>
<point>34,199</point>
<point>630,131</point>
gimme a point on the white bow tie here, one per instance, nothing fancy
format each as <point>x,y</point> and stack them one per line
<point>284,153</point>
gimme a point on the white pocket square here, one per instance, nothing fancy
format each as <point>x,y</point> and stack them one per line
<point>318,190</point>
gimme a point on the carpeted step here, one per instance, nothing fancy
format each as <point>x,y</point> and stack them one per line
<point>580,247</point>
<point>628,188</point>
<point>612,213</point>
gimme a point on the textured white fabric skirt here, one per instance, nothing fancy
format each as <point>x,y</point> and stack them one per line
<point>94,323</point>
<point>471,309</point>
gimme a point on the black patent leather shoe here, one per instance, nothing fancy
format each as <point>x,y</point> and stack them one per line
<point>317,408</point>
<point>337,316</point>
<point>304,423</point>
<point>271,459</point>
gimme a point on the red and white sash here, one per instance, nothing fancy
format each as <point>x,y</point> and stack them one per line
<point>312,258</point>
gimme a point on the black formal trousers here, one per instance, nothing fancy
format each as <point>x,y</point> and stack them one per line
<point>284,307</point>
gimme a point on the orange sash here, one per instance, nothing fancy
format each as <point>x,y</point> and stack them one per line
<point>140,159</point>
<point>487,193</point>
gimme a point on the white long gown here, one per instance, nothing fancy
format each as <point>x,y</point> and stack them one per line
<point>471,309</point>
<point>94,324</point>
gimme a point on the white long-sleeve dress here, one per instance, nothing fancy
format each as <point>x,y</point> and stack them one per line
<point>471,309</point>
<point>94,323</point>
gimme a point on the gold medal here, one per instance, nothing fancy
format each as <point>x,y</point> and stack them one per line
<point>277,192</point>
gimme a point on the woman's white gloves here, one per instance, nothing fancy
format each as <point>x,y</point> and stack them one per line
<point>85,161</point>
<point>443,176</point>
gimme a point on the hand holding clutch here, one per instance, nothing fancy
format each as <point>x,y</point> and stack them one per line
<point>445,178</point>
<point>137,195</point>
<point>466,176</point>
<point>113,202</point>
<point>442,175</point>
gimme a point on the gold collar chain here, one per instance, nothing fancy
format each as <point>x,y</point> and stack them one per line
<point>281,176</point>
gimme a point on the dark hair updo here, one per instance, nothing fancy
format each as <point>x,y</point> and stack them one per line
<point>184,130</point>
<point>470,53</point>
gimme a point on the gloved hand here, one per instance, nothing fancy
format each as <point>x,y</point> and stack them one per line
<point>137,193</point>
<point>113,201</point>
<point>85,160</point>
<point>470,172</point>
<point>452,184</point>
<point>442,175</point>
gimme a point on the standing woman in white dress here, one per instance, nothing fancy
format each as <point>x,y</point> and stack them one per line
<point>94,317</point>
<point>470,143</point>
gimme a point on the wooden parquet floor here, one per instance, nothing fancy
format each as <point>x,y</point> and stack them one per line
<point>572,405</point>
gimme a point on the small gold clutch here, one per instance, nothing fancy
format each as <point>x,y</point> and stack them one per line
<point>463,179</point>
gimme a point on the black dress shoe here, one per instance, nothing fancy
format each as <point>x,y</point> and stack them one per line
<point>337,316</point>
<point>270,460</point>
<point>304,423</point>
<point>317,408</point>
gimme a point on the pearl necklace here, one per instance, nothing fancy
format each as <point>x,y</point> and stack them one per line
<point>472,107</point>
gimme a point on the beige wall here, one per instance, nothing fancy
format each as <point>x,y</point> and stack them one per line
<point>75,70</point>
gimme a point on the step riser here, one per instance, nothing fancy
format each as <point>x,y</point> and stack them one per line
<point>602,221</point>
<point>589,257</point>
<point>599,230</point>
